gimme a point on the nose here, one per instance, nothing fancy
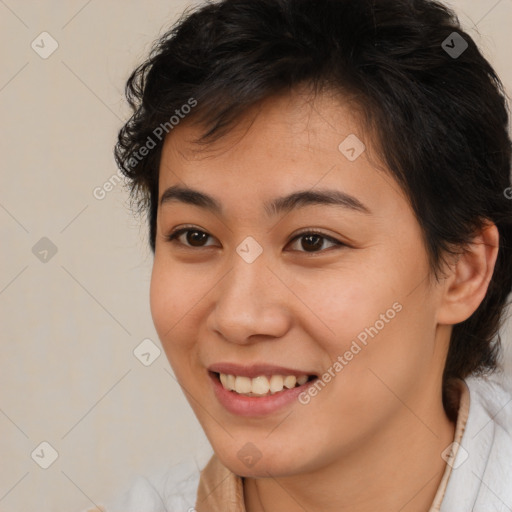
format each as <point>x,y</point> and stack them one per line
<point>251,304</point>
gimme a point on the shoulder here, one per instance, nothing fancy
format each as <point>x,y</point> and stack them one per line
<point>490,412</point>
<point>491,389</point>
<point>167,490</point>
<point>481,476</point>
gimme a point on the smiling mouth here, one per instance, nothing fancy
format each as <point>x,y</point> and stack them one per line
<point>261,385</point>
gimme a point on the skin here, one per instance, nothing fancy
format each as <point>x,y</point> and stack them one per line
<point>367,430</point>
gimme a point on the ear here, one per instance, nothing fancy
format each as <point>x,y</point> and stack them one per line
<point>468,279</point>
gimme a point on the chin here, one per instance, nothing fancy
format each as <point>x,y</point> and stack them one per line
<point>250,461</point>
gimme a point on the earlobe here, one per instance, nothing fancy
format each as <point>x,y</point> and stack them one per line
<point>468,279</point>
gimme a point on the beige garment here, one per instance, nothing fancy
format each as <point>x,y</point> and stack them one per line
<point>220,490</point>
<point>462,390</point>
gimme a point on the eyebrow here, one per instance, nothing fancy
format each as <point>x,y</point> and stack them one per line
<point>299,199</point>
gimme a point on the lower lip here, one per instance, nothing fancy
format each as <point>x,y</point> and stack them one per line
<point>242,405</point>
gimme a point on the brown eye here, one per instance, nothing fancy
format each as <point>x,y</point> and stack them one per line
<point>190,237</point>
<point>196,238</point>
<point>312,241</point>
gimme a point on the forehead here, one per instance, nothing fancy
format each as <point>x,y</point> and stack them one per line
<point>293,114</point>
<point>284,142</point>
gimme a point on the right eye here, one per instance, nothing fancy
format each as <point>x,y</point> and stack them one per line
<point>189,236</point>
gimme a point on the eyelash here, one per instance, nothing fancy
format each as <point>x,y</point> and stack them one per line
<point>178,232</point>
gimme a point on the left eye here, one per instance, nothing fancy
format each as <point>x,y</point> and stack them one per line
<point>312,241</point>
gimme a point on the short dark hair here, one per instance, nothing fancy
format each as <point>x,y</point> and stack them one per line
<point>437,108</point>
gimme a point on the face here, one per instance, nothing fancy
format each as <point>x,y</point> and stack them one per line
<point>333,289</point>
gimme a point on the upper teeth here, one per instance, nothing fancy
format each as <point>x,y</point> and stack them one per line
<point>260,385</point>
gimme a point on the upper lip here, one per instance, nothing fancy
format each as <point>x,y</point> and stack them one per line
<point>255,370</point>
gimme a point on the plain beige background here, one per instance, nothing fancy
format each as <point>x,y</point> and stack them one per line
<point>70,321</point>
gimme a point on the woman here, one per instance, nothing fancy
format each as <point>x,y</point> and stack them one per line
<point>327,188</point>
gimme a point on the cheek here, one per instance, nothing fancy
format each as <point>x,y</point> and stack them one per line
<point>376,317</point>
<point>172,299</point>
<point>160,298</point>
<point>386,345</point>
<point>347,300</point>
